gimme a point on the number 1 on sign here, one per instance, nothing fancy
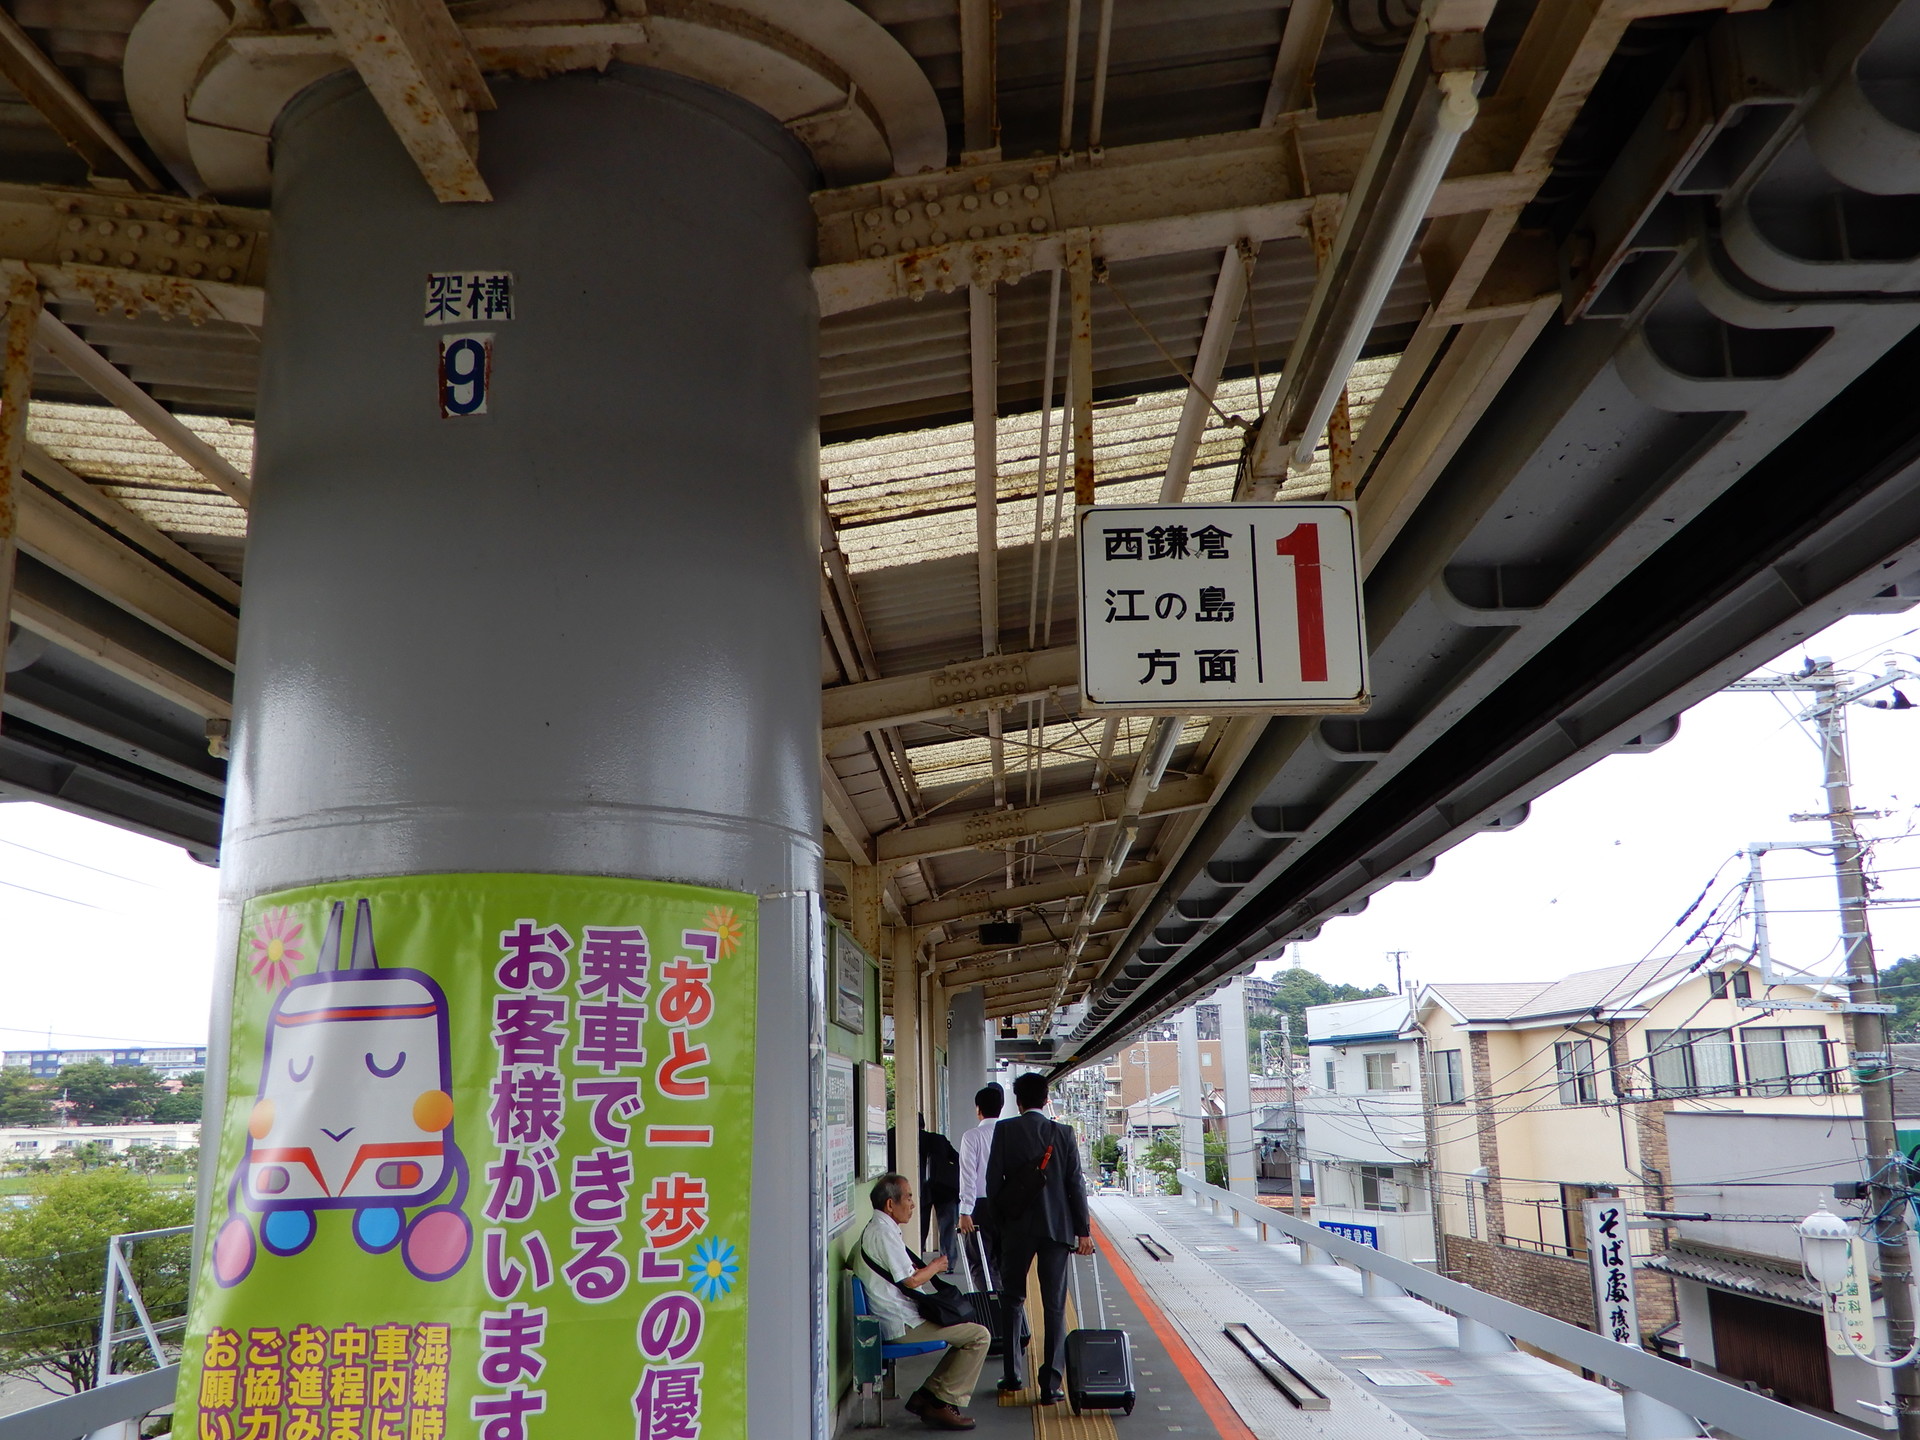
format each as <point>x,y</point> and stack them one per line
<point>1302,546</point>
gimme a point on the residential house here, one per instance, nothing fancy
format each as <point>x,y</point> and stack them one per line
<point>1747,1310</point>
<point>1546,1093</point>
<point>1364,1126</point>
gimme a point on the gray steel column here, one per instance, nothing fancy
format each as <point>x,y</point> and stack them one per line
<point>578,634</point>
<point>1193,1146</point>
<point>1242,1174</point>
<point>969,1056</point>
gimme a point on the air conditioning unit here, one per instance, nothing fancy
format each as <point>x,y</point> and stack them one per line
<point>1402,1075</point>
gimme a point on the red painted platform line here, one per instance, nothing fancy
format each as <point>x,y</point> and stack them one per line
<point>1219,1409</point>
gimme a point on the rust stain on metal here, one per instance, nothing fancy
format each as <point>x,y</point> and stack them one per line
<point>16,383</point>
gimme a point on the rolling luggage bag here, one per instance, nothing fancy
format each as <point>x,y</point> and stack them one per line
<point>985,1292</point>
<point>1100,1364</point>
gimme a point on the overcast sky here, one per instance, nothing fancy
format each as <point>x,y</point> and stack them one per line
<point>1610,860</point>
<point>105,936</point>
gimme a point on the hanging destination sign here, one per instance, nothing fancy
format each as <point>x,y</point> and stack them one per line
<point>1196,609</point>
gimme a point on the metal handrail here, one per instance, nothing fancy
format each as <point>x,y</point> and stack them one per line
<point>127,1398</point>
<point>1726,1407</point>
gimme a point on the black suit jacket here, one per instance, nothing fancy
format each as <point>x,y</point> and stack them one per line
<point>1061,1214</point>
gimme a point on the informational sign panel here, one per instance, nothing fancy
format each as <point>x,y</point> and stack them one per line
<point>1611,1253</point>
<point>840,1132</point>
<point>1196,609</point>
<point>1368,1235</point>
<point>1850,1315</point>
<point>849,984</point>
<point>485,1165</point>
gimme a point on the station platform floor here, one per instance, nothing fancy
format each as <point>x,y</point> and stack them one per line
<point>1387,1364</point>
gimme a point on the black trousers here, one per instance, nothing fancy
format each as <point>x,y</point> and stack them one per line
<point>1018,1252</point>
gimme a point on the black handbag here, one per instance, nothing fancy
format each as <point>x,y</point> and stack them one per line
<point>943,1304</point>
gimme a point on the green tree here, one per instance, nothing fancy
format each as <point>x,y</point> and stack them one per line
<point>1216,1159</point>
<point>102,1094</point>
<point>1900,988</point>
<point>1107,1154</point>
<point>23,1099</point>
<point>1297,989</point>
<point>53,1256</point>
<point>1163,1160</point>
<point>182,1106</point>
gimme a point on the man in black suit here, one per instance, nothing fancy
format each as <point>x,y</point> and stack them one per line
<point>1049,1227</point>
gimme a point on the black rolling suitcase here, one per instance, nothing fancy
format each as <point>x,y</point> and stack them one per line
<point>1100,1363</point>
<point>984,1294</point>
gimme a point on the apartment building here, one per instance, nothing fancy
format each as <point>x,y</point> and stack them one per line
<point>1147,1067</point>
<point>1364,1126</point>
<point>1546,1094</point>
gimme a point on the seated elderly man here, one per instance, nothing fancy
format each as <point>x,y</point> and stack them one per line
<point>896,1271</point>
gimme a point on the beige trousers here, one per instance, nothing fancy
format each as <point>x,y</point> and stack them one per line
<point>953,1379</point>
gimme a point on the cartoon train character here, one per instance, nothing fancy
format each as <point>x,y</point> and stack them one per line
<point>355,1112</point>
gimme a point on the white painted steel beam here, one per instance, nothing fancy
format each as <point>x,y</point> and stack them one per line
<point>16,383</point>
<point>993,829</point>
<point>971,687</point>
<point>967,904</point>
<point>1032,933</point>
<point>76,547</point>
<point>45,87</point>
<point>112,384</point>
<point>420,69</point>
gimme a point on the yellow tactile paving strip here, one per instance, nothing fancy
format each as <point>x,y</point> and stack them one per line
<point>1051,1422</point>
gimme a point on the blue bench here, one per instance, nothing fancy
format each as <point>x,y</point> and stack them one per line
<point>879,1384</point>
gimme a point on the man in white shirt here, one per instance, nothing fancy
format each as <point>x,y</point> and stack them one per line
<point>883,1248</point>
<point>974,1147</point>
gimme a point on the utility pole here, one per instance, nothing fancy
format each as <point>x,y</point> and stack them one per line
<point>1866,1024</point>
<point>1398,957</point>
<point>1293,1116</point>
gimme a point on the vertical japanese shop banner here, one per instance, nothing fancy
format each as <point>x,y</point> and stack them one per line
<point>1610,1251</point>
<point>484,1167</point>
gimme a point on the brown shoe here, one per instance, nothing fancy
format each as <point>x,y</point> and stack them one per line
<point>920,1401</point>
<point>942,1416</point>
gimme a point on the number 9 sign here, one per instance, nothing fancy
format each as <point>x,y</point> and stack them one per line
<point>466,374</point>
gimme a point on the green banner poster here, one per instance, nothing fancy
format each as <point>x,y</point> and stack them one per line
<point>484,1165</point>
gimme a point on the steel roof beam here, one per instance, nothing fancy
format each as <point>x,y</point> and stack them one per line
<point>1032,933</point>
<point>422,71</point>
<point>982,901</point>
<point>993,829</point>
<point>45,87</point>
<point>96,370</point>
<point>75,618</point>
<point>972,687</point>
<point>1034,963</point>
<point>1165,198</point>
<point>73,545</point>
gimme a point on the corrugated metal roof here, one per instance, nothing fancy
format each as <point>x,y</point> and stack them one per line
<point>1737,1271</point>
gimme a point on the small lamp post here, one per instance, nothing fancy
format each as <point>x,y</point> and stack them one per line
<point>1826,1251</point>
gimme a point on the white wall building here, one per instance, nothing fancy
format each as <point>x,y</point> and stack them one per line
<point>1746,1307</point>
<point>1364,1126</point>
<point>43,1142</point>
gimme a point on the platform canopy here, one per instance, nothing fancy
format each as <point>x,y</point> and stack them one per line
<point>1597,309</point>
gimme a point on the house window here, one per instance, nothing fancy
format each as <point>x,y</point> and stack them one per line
<point>1786,1060</point>
<point>1331,1085</point>
<point>1377,1190</point>
<point>1380,1071</point>
<point>1449,1080</point>
<point>1206,1060</point>
<point>1692,1062</point>
<point>1737,983</point>
<point>1573,1070</point>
